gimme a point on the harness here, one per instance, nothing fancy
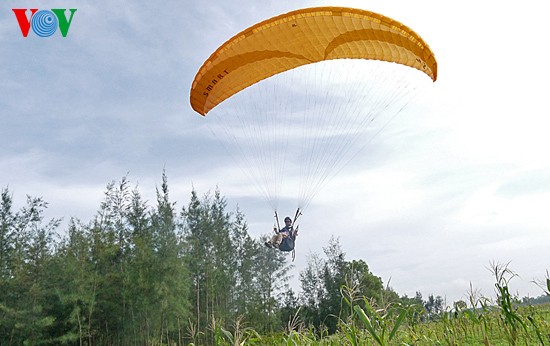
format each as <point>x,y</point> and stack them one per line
<point>288,243</point>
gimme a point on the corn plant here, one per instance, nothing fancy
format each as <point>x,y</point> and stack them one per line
<point>354,334</point>
<point>297,334</point>
<point>349,294</point>
<point>238,337</point>
<point>512,319</point>
<point>544,284</point>
<point>193,333</point>
<point>535,324</point>
<point>378,321</point>
<point>478,313</point>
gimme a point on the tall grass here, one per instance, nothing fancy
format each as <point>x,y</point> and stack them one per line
<point>480,321</point>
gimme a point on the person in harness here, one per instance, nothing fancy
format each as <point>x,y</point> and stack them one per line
<point>284,238</point>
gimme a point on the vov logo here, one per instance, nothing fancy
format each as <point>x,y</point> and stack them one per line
<point>44,23</point>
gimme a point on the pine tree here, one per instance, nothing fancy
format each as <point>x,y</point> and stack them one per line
<point>170,278</point>
<point>27,302</point>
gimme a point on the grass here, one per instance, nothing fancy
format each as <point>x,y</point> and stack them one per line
<point>483,322</point>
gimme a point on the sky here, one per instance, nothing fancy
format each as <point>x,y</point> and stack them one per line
<point>460,181</point>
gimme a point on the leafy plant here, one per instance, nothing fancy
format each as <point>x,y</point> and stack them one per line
<point>544,284</point>
<point>378,322</point>
<point>512,319</point>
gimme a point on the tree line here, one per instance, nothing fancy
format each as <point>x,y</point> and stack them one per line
<point>137,274</point>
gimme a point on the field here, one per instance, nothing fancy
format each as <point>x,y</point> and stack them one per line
<point>487,325</point>
<point>505,321</point>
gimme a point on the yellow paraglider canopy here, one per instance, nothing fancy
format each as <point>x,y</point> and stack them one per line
<point>302,37</point>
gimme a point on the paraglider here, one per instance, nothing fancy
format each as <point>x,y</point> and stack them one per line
<point>284,238</point>
<point>281,235</point>
<point>294,96</point>
<point>303,37</point>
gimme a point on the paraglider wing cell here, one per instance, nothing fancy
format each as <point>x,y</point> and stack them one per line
<point>303,37</point>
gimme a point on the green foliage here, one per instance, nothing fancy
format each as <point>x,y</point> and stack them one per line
<point>232,274</point>
<point>28,304</point>
<point>380,323</point>
<point>507,305</point>
<point>322,281</point>
<point>154,275</point>
<point>135,274</point>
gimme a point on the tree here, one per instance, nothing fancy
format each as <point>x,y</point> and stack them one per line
<point>210,256</point>
<point>232,274</point>
<point>433,306</point>
<point>170,275</point>
<point>138,274</point>
<point>7,237</point>
<point>27,303</point>
<point>142,271</point>
<point>368,285</point>
<point>260,281</point>
<point>110,250</point>
<point>78,295</point>
<point>323,282</point>
<point>313,289</point>
<point>271,285</point>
